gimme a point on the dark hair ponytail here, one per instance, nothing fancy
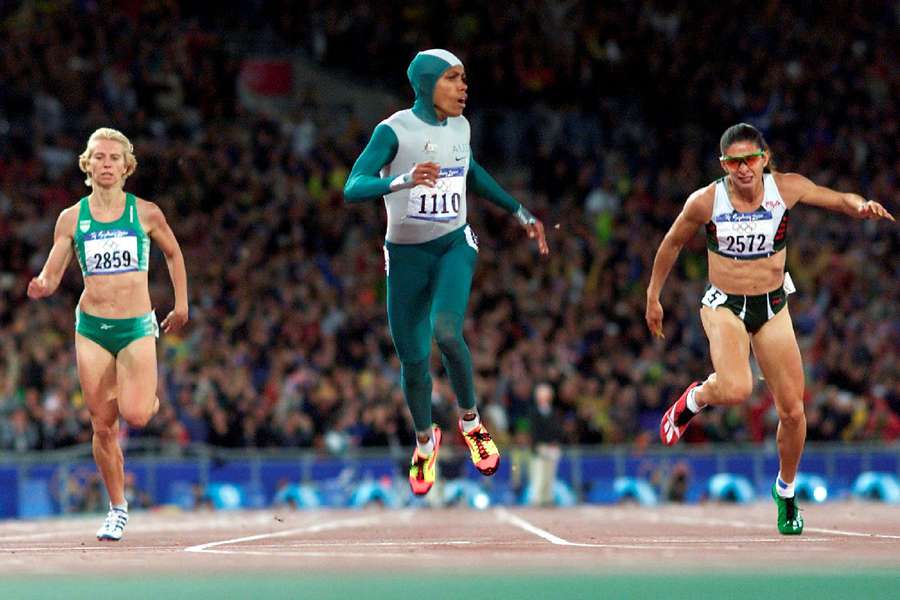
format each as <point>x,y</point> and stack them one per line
<point>744,132</point>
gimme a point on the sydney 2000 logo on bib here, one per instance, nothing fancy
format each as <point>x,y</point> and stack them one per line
<point>443,201</point>
<point>110,251</point>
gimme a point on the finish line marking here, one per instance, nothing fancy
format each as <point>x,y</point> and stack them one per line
<point>327,526</point>
<point>507,517</point>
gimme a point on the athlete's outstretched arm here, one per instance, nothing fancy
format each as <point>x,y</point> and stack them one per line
<point>159,231</point>
<point>481,182</point>
<point>697,211</point>
<point>807,192</point>
<point>60,254</point>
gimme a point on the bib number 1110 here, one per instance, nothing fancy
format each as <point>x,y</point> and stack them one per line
<point>437,203</point>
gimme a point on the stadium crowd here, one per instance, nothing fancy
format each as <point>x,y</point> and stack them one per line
<point>602,121</point>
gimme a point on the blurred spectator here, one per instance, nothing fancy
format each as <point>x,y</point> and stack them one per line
<point>288,340</point>
<point>136,497</point>
<point>547,437</point>
<point>678,483</point>
<point>19,433</point>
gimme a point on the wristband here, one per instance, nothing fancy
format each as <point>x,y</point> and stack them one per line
<point>525,217</point>
<point>402,182</point>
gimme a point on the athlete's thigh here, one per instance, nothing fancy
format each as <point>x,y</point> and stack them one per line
<point>453,281</point>
<point>729,343</point>
<point>136,372</point>
<point>409,294</point>
<point>97,376</point>
<point>778,355</point>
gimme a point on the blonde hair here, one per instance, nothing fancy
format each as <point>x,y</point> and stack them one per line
<point>107,133</point>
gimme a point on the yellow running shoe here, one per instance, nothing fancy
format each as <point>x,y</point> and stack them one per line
<point>421,469</point>
<point>485,455</point>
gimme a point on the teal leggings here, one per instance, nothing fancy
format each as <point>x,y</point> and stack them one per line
<point>428,289</point>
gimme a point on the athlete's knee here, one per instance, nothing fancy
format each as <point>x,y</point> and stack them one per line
<point>105,432</point>
<point>792,416</point>
<point>734,389</point>
<point>138,415</point>
<point>415,374</point>
<point>448,332</point>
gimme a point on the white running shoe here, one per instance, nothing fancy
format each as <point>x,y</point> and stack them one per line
<point>114,525</point>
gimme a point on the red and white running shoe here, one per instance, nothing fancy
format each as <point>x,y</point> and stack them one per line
<point>670,431</point>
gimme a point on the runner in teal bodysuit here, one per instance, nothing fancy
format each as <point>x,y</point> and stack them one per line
<point>420,161</point>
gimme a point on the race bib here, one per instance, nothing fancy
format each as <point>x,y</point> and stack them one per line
<point>714,297</point>
<point>789,287</point>
<point>110,251</point>
<point>442,202</point>
<point>747,235</point>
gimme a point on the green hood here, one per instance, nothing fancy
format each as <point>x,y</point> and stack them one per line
<point>423,72</point>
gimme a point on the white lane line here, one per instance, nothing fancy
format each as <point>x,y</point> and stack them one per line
<point>404,544</point>
<point>327,526</point>
<point>508,517</point>
<point>521,523</point>
<point>297,547</point>
<point>120,548</point>
<point>883,536</point>
<point>723,543</point>
<point>660,518</point>
<point>314,554</point>
<point>78,528</point>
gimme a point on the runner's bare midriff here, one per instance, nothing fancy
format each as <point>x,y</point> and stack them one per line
<point>746,277</point>
<point>119,296</point>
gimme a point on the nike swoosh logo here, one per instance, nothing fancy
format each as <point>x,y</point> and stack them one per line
<point>105,326</point>
<point>461,157</point>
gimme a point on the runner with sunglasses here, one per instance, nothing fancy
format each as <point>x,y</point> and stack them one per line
<point>745,303</point>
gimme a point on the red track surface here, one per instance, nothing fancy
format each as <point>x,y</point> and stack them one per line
<point>839,536</point>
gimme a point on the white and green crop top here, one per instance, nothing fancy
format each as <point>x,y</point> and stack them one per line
<point>110,248</point>
<point>748,235</point>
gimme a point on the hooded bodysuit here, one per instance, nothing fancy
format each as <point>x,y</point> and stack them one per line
<point>430,251</point>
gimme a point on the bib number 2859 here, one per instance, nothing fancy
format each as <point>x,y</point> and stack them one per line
<point>108,252</point>
<point>111,260</point>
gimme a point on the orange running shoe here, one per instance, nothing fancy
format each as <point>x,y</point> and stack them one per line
<point>422,468</point>
<point>485,455</point>
<point>671,427</point>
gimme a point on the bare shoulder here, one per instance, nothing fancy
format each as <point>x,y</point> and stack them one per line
<point>792,186</point>
<point>149,212</point>
<point>65,222</point>
<point>699,205</point>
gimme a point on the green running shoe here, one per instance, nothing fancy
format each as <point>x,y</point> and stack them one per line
<point>790,522</point>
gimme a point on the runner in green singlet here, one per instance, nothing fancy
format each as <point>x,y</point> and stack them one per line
<point>109,232</point>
